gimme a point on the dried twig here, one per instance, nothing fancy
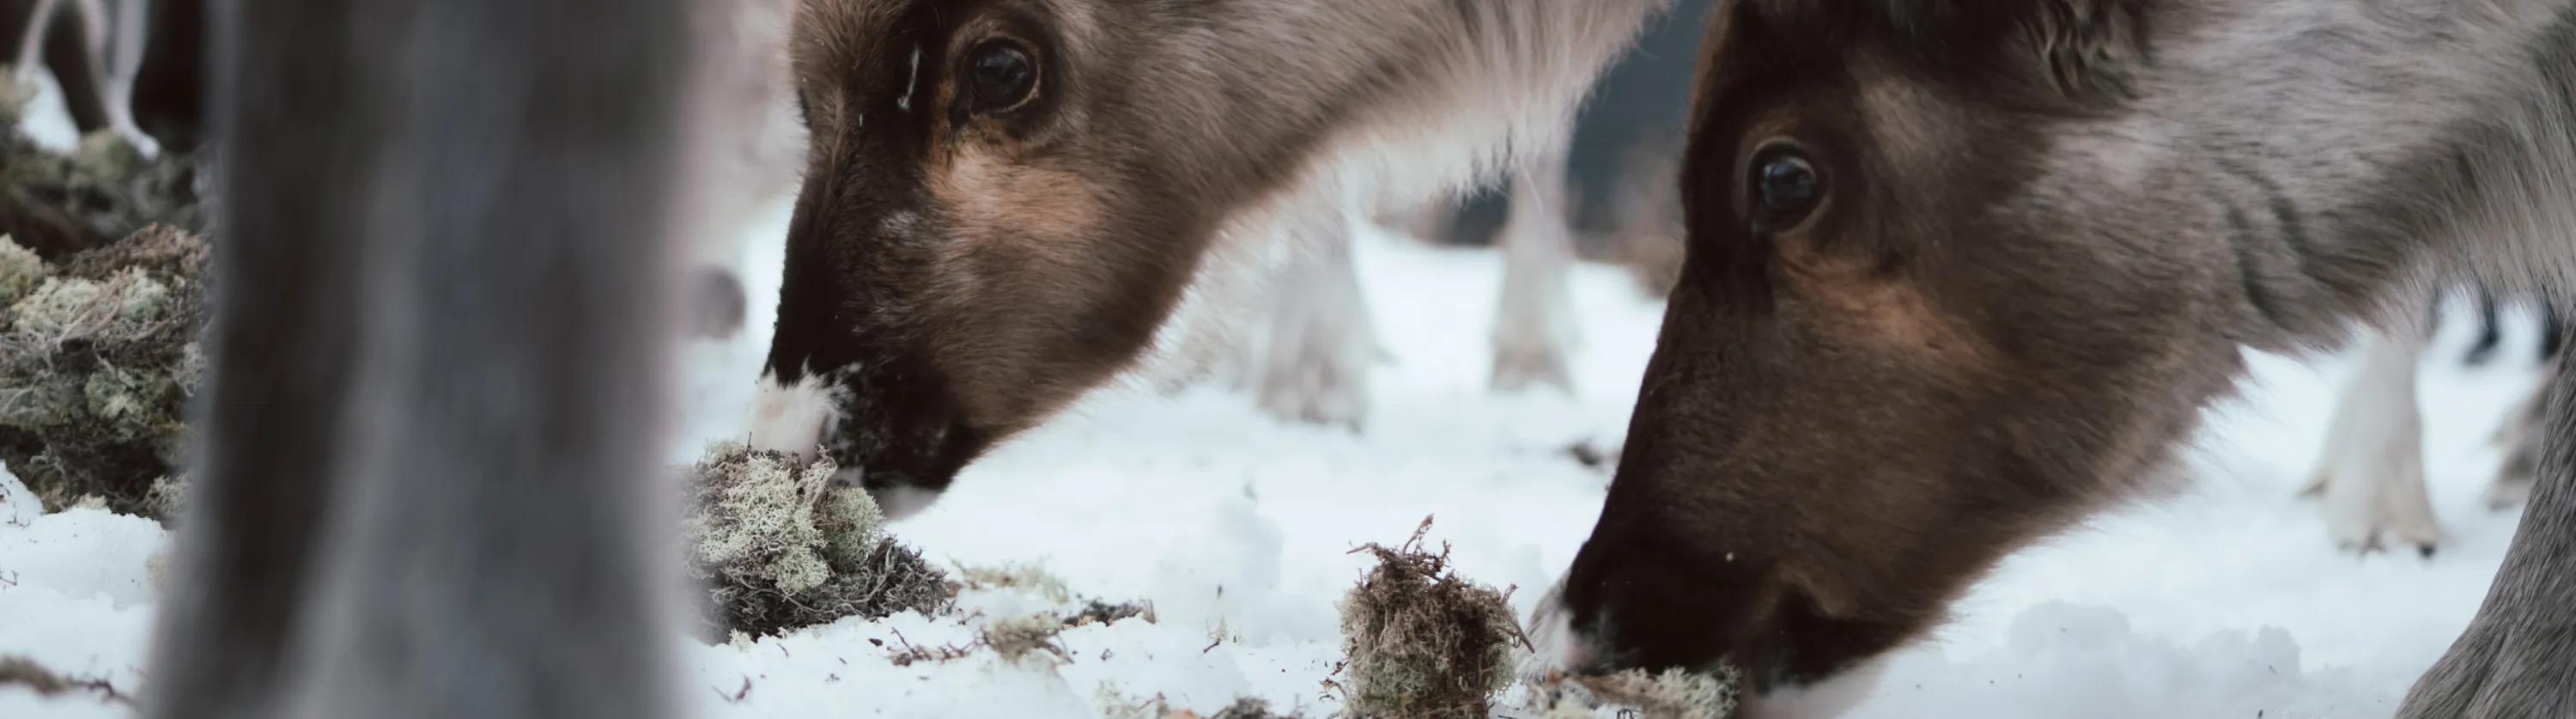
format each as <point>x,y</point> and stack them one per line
<point>25,672</point>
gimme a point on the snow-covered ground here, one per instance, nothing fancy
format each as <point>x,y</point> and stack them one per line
<point>2226,600</point>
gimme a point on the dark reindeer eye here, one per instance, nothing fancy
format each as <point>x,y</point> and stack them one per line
<point>1000,76</point>
<point>1784,186</point>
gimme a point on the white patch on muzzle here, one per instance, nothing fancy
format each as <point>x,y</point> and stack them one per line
<point>1557,647</point>
<point>1551,634</point>
<point>901,502</point>
<point>1821,700</point>
<point>791,418</point>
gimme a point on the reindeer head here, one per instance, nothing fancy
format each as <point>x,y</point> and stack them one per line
<point>1003,201</point>
<point>1921,323</point>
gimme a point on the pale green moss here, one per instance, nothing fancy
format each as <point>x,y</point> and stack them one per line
<point>106,155</point>
<point>1025,577</point>
<point>1420,642</point>
<point>20,270</point>
<point>1671,694</point>
<point>192,365</point>
<point>139,297</point>
<point>766,530</point>
<point>783,547</point>
<point>168,496</point>
<point>1021,638</point>
<point>127,400</point>
<point>60,306</point>
<point>1115,704</point>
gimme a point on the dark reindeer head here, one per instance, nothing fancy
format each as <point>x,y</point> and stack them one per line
<point>1920,325</point>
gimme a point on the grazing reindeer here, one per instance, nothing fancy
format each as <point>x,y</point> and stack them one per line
<point>1962,274</point>
<point>438,365</point>
<point>1007,198</point>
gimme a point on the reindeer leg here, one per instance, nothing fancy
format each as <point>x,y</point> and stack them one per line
<point>122,61</point>
<point>2372,465</point>
<point>75,51</point>
<point>1535,324</point>
<point>1315,366</point>
<point>2516,657</point>
<point>2521,435</point>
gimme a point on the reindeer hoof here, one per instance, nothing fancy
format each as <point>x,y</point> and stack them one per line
<point>1516,370</point>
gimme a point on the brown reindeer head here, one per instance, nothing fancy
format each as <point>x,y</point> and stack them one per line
<point>1917,328</point>
<point>987,227</point>
<point>1004,199</point>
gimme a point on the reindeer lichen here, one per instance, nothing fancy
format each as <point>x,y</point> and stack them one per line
<point>1672,694</point>
<point>102,274</point>
<point>1420,642</point>
<point>97,361</point>
<point>20,271</point>
<point>1025,577</point>
<point>1023,637</point>
<point>1250,708</point>
<point>783,547</point>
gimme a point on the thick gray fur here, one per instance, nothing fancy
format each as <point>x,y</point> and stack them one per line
<point>438,365</point>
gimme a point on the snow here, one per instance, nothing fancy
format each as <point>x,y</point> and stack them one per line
<point>2224,600</point>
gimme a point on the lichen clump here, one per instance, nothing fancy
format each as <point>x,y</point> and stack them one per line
<point>103,297</point>
<point>1024,637</point>
<point>1672,694</point>
<point>103,190</point>
<point>782,547</point>
<point>1420,642</point>
<point>98,359</point>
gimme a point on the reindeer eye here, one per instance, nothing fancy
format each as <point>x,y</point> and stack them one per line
<point>1000,76</point>
<point>1784,186</point>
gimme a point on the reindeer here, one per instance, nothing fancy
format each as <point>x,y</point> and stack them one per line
<point>439,359</point>
<point>1962,274</point>
<point>1005,199</point>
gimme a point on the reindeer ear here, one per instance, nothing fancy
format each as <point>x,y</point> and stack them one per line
<point>2084,46</point>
